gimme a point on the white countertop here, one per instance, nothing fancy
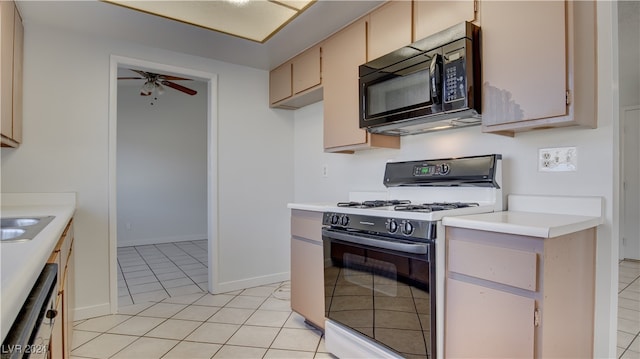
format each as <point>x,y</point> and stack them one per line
<point>314,207</point>
<point>22,262</point>
<point>389,212</point>
<point>542,225</point>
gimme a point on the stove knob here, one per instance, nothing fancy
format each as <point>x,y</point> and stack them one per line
<point>392,226</point>
<point>407,228</point>
<point>444,169</point>
<point>344,220</point>
<point>334,219</point>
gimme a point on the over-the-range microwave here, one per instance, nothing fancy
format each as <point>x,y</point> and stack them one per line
<point>432,84</point>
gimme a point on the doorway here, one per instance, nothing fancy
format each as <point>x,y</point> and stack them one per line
<point>630,240</point>
<point>628,26</point>
<point>123,205</point>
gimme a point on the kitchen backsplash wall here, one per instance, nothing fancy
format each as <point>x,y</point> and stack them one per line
<point>363,171</point>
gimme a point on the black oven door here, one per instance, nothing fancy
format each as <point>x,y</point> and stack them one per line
<point>403,90</point>
<point>382,289</point>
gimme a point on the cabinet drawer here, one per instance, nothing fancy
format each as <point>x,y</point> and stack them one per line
<point>306,224</point>
<point>501,265</point>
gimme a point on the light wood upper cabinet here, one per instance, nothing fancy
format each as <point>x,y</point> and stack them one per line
<point>342,54</point>
<point>429,16</point>
<point>537,75</point>
<point>389,28</point>
<point>11,55</point>
<point>280,83</point>
<point>306,70</point>
<point>297,82</point>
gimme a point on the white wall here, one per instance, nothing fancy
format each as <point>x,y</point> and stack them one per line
<point>66,105</point>
<point>161,165</point>
<point>364,170</point>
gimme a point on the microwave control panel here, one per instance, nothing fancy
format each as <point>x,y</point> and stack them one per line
<point>455,87</point>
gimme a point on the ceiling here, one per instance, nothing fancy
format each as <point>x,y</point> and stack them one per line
<point>252,20</point>
<point>319,21</point>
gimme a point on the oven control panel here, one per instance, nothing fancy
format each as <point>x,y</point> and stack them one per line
<point>422,170</point>
<point>474,171</point>
<point>396,227</point>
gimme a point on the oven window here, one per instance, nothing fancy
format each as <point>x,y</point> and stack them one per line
<point>382,295</point>
<point>399,92</point>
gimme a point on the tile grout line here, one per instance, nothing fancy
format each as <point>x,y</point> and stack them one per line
<point>154,273</point>
<point>262,300</point>
<point>636,336</point>
<point>192,243</point>
<point>179,267</point>
<point>125,281</point>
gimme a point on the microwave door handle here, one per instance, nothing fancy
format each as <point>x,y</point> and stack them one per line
<point>418,248</point>
<point>435,74</point>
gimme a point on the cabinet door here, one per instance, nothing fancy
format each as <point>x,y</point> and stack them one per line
<point>18,44</point>
<point>389,28</point>
<point>280,83</point>
<point>56,345</point>
<point>68,303</point>
<point>524,64</point>
<point>7,10</point>
<point>483,322</point>
<point>307,279</point>
<point>342,54</point>
<point>306,70</point>
<point>430,16</point>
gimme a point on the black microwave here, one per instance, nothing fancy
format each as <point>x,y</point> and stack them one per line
<point>432,84</point>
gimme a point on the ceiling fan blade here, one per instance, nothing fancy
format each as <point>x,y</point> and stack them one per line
<point>172,78</point>
<point>131,78</point>
<point>175,86</point>
<point>141,73</point>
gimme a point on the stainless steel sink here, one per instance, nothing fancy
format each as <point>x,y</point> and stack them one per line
<point>16,229</point>
<point>11,233</point>
<point>18,222</point>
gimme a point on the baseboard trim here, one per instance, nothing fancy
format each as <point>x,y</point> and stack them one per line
<point>92,311</point>
<point>145,241</point>
<point>231,286</point>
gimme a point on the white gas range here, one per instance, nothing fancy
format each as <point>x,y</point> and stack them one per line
<point>383,256</point>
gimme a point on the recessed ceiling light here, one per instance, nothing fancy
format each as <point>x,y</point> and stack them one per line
<point>255,20</point>
<point>238,2</point>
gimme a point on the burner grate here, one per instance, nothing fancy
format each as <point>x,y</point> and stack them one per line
<point>374,203</point>
<point>433,207</point>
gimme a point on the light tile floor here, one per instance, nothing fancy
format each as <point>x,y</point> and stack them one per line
<point>251,323</point>
<point>629,310</point>
<point>157,271</point>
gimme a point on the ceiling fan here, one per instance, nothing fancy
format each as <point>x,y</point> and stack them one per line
<point>154,82</point>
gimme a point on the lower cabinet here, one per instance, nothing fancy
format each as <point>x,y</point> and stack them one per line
<point>63,255</point>
<point>488,314</point>
<point>512,296</point>
<point>307,268</point>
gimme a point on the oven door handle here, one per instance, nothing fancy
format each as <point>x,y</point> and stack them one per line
<point>414,248</point>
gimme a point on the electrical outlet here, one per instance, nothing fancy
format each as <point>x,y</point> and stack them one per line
<point>325,170</point>
<point>558,159</point>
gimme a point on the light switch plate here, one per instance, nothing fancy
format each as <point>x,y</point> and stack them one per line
<point>558,159</point>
